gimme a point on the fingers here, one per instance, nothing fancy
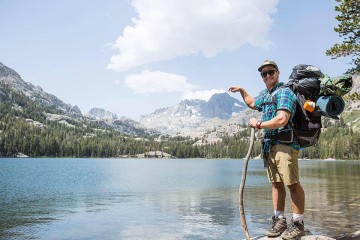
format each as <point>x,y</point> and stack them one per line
<point>252,122</point>
<point>233,89</point>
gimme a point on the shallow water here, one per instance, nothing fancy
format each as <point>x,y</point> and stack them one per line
<point>163,198</point>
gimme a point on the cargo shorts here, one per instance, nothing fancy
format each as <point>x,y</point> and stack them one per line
<point>283,164</point>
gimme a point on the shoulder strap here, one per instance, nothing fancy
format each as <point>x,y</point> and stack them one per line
<point>300,99</point>
<point>273,99</point>
<point>273,94</point>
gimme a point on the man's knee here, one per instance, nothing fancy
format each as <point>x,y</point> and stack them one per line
<point>278,185</point>
<point>294,187</point>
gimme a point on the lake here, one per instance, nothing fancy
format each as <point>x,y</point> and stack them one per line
<point>164,198</point>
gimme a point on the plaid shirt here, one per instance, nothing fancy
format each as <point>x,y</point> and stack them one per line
<point>285,100</point>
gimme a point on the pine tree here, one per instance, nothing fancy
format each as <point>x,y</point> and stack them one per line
<point>349,30</point>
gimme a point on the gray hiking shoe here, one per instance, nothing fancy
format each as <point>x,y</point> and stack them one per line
<point>295,230</point>
<point>278,227</point>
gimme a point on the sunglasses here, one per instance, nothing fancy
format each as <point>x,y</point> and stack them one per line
<point>270,72</point>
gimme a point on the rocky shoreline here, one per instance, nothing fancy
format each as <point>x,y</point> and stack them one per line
<point>352,236</point>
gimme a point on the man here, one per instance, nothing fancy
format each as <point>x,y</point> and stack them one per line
<point>280,149</point>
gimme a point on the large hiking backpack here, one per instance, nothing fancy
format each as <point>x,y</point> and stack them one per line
<point>304,82</point>
<point>309,83</point>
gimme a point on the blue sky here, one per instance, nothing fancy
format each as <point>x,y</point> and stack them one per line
<point>133,57</point>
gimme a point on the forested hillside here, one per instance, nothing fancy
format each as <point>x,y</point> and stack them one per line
<point>26,130</point>
<point>41,138</point>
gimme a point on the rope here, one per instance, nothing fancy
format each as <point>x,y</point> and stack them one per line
<point>242,185</point>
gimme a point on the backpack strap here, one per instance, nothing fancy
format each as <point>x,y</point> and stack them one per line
<point>300,99</point>
<point>273,95</point>
<point>280,135</point>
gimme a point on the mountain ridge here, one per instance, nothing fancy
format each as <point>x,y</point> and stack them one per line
<point>17,92</point>
<point>12,79</point>
<point>194,118</point>
<point>191,114</point>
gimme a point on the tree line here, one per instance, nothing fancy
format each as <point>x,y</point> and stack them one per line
<point>338,141</point>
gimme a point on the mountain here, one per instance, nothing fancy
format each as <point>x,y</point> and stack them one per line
<point>222,106</point>
<point>353,97</point>
<point>35,123</point>
<point>99,113</point>
<point>220,115</point>
<point>189,115</point>
<point>12,79</point>
<point>26,97</point>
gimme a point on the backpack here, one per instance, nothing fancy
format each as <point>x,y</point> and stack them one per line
<point>309,83</point>
<point>304,82</point>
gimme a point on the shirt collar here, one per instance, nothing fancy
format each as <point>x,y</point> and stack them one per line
<point>275,87</point>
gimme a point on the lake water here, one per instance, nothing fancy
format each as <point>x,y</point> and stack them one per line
<point>164,198</point>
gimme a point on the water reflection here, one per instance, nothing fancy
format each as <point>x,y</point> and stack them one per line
<point>163,199</point>
<point>333,195</point>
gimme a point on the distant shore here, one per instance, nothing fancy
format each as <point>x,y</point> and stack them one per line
<point>164,155</point>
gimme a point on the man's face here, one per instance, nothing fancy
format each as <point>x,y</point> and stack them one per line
<point>270,76</point>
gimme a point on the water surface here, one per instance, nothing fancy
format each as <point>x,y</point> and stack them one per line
<point>163,198</point>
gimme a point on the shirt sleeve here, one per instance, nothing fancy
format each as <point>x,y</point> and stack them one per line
<point>258,104</point>
<point>286,100</point>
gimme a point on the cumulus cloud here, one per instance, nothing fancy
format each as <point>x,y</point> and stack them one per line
<point>165,29</point>
<point>149,82</point>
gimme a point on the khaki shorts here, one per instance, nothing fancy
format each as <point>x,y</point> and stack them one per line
<point>283,164</point>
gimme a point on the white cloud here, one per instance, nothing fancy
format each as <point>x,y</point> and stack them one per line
<point>168,29</point>
<point>148,82</point>
<point>203,95</point>
<point>156,82</point>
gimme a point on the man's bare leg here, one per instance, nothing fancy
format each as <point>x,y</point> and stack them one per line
<point>278,195</point>
<point>298,198</point>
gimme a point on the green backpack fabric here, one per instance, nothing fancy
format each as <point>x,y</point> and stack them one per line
<point>338,86</point>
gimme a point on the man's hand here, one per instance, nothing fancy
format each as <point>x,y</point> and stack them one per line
<point>280,120</point>
<point>235,89</point>
<point>249,100</point>
<point>252,122</point>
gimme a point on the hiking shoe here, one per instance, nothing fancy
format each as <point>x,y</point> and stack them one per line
<point>295,230</point>
<point>278,227</point>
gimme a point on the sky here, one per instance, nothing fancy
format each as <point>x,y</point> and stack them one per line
<point>132,57</point>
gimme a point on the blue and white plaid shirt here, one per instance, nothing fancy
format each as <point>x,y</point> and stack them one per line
<point>285,100</point>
